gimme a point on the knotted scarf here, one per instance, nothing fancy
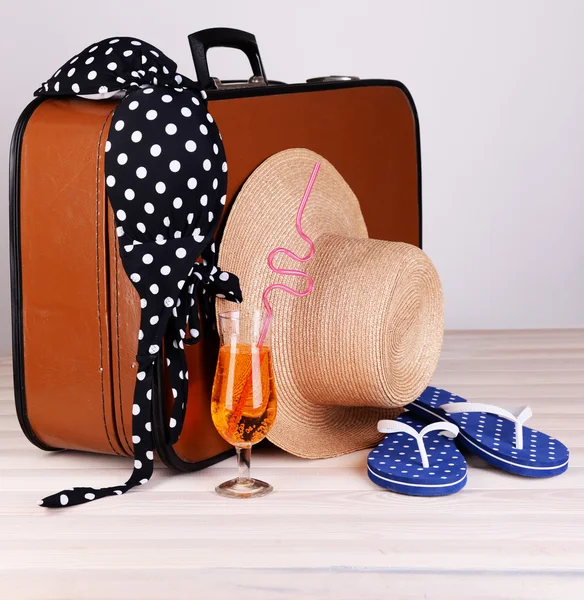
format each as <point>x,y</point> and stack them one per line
<point>166,179</point>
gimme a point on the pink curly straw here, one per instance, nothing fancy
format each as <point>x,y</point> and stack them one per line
<point>275,251</point>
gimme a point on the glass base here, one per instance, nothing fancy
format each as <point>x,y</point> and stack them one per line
<point>244,488</point>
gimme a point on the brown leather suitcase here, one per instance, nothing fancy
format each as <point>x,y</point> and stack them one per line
<point>74,312</point>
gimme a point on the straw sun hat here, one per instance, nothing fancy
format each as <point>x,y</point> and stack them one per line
<point>366,341</point>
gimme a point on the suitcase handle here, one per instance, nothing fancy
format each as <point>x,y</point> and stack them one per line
<point>225,37</point>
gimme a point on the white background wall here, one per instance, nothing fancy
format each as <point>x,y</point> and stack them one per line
<point>499,87</point>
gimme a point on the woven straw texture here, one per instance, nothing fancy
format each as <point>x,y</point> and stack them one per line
<point>367,339</point>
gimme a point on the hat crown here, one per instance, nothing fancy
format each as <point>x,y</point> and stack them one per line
<point>362,337</point>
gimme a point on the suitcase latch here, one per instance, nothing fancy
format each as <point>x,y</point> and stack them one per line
<point>255,81</point>
<point>331,78</point>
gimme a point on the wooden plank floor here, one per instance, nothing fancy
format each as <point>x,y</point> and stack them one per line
<point>327,532</point>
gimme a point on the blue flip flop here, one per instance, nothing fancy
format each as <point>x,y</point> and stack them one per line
<point>497,435</point>
<point>417,459</point>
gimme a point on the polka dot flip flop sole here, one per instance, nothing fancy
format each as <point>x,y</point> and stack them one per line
<point>417,459</point>
<point>495,434</point>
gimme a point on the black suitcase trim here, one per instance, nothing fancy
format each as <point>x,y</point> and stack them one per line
<point>164,449</point>
<point>16,276</point>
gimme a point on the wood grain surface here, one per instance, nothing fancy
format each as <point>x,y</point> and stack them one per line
<point>327,532</point>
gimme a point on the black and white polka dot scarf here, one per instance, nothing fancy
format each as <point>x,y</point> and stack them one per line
<point>166,179</point>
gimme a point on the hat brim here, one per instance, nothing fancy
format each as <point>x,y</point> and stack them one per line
<point>262,218</point>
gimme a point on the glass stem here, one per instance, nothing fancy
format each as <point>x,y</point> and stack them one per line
<point>243,464</point>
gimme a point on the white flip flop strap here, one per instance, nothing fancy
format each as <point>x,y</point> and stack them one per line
<point>450,430</point>
<point>517,415</point>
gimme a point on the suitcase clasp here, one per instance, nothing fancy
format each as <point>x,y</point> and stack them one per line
<point>331,78</point>
<point>254,81</point>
